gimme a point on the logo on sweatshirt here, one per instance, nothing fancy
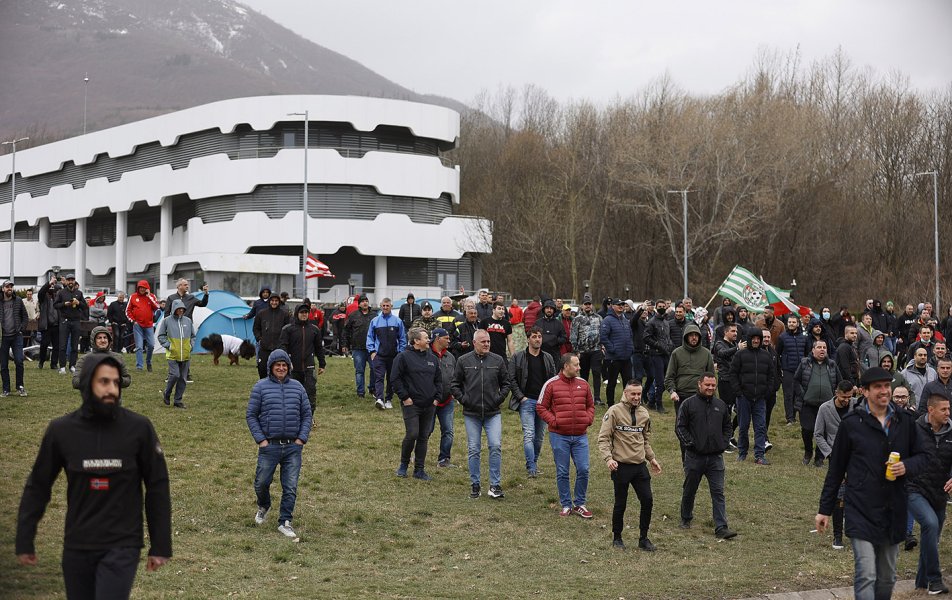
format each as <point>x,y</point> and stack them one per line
<point>99,464</point>
<point>629,428</point>
<point>99,484</point>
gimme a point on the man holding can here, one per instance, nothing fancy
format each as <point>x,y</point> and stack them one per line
<point>875,504</point>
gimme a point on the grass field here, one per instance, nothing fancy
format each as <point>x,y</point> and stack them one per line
<point>366,533</point>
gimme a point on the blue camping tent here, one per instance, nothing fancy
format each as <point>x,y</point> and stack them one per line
<point>225,321</point>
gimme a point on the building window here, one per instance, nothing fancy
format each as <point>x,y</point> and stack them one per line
<point>289,141</point>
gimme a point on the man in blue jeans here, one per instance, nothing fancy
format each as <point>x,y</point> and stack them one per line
<point>480,384</point>
<point>529,369</point>
<point>929,490</point>
<point>445,407</point>
<point>566,404</point>
<point>752,376</point>
<point>875,509</point>
<point>279,417</point>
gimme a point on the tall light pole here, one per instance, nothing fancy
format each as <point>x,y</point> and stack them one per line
<point>85,91</point>
<point>684,221</point>
<point>304,219</point>
<point>935,216</point>
<point>13,196</point>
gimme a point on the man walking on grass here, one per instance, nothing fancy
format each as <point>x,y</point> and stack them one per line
<point>177,335</point>
<point>875,509</point>
<point>567,406</point>
<point>480,384</point>
<point>279,417</point>
<point>418,382</point>
<point>110,454</point>
<point>623,442</point>
<point>704,429</point>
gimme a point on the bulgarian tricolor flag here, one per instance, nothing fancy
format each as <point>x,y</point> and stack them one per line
<point>748,290</point>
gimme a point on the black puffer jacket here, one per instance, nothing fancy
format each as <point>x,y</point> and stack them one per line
<point>658,336</point>
<point>268,325</point>
<point>302,341</point>
<point>752,371</point>
<point>480,383</point>
<point>931,480</point>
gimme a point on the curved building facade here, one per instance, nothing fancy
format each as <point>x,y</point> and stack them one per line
<point>215,194</point>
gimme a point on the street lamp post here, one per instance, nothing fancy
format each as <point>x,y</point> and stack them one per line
<point>935,217</point>
<point>304,218</point>
<point>13,196</point>
<point>684,223</point>
<point>85,90</point>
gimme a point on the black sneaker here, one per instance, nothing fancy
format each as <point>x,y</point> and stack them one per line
<point>725,533</point>
<point>768,446</point>
<point>476,493</point>
<point>495,491</point>
<point>911,542</point>
<point>838,542</point>
<point>818,462</point>
<point>166,400</point>
<point>421,475</point>
<point>179,405</point>
<point>938,587</point>
<point>741,457</point>
<point>618,544</point>
<point>685,524</point>
<point>149,368</point>
<point>646,545</point>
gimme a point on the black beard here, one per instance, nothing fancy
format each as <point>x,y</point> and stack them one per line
<point>103,410</point>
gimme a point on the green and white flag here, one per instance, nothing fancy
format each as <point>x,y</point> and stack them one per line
<point>744,289</point>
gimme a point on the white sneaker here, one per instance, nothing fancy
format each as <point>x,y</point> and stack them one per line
<point>379,404</point>
<point>286,529</point>
<point>62,371</point>
<point>261,514</point>
<point>72,369</point>
<point>388,405</point>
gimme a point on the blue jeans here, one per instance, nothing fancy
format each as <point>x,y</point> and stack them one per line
<point>890,343</point>
<point>746,409</point>
<point>575,447</point>
<point>15,343</point>
<point>657,365</point>
<point>638,366</point>
<point>143,338</point>
<point>445,415</point>
<point>269,457</point>
<point>361,358</point>
<point>930,526</point>
<point>875,566</point>
<point>533,430</point>
<point>474,430</point>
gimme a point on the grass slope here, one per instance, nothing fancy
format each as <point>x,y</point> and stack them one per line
<point>366,533</point>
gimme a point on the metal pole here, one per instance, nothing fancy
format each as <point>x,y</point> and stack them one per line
<point>85,90</point>
<point>13,197</point>
<point>684,226</point>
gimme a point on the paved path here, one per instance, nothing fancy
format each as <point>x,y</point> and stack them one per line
<point>906,587</point>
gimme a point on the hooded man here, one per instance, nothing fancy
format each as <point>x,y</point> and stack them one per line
<point>267,330</point>
<point>623,443</point>
<point>177,336</point>
<point>110,454</point>
<point>264,294</point>
<point>752,376</point>
<point>302,340</point>
<point>13,319</point>
<point>553,332</point>
<point>101,342</point>
<point>688,363</point>
<point>279,418</point>
<point>410,311</point>
<point>141,312</point>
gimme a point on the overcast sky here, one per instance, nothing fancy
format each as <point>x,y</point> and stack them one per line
<point>598,50</point>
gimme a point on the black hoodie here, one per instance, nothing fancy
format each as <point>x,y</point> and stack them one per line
<point>107,460</point>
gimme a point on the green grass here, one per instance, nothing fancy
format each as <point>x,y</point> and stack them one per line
<point>366,533</point>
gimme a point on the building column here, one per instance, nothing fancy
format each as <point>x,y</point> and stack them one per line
<point>79,266</point>
<point>380,278</point>
<point>122,235</point>
<point>165,242</point>
<point>44,226</point>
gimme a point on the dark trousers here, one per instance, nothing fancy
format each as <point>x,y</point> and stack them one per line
<point>657,364</point>
<point>309,381</point>
<point>615,368</point>
<point>118,335</point>
<point>807,424</point>
<point>419,424</point>
<point>12,343</point>
<point>788,391</point>
<point>712,467</point>
<point>99,574</point>
<point>771,403</point>
<point>69,335</point>
<point>263,355</point>
<point>636,476</point>
<point>50,342</point>
<point>382,365</point>
<point>592,362</point>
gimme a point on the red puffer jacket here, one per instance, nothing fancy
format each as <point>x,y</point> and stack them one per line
<point>566,404</point>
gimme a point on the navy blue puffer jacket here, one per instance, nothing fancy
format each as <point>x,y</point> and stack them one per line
<point>278,409</point>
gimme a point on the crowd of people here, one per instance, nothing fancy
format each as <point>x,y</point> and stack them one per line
<point>857,389</point>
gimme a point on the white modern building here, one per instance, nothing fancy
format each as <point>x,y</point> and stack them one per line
<point>215,194</point>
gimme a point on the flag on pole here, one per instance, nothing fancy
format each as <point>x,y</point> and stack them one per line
<point>315,268</point>
<point>748,290</point>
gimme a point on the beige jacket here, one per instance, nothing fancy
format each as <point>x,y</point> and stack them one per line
<point>623,438</point>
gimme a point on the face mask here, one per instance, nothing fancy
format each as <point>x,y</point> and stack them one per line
<point>826,314</point>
